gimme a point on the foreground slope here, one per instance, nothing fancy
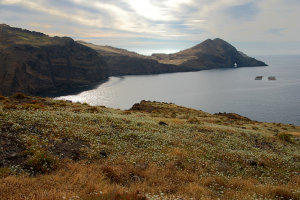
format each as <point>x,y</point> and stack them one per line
<point>209,54</point>
<point>32,62</point>
<point>62,150</point>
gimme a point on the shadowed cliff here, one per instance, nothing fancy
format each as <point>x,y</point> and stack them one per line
<point>33,62</point>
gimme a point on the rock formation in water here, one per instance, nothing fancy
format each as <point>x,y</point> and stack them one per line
<point>31,63</point>
<point>209,54</point>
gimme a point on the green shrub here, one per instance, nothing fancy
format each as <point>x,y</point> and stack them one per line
<point>9,106</point>
<point>4,172</point>
<point>32,106</point>
<point>93,110</point>
<point>193,120</point>
<point>115,195</point>
<point>19,96</point>
<point>41,162</point>
<point>285,137</point>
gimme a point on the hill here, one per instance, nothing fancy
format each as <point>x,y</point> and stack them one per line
<point>209,54</point>
<point>123,62</point>
<point>62,150</point>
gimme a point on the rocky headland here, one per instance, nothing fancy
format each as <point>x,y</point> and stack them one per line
<point>209,54</point>
<point>31,62</point>
<point>34,63</point>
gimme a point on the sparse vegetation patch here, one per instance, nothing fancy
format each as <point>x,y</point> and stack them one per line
<point>62,150</point>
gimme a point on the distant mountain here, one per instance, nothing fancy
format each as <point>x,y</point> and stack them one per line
<point>209,54</point>
<point>123,62</point>
<point>32,62</point>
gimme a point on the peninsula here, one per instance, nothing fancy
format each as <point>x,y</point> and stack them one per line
<point>34,63</point>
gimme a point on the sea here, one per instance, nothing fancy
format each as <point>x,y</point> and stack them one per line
<point>233,90</point>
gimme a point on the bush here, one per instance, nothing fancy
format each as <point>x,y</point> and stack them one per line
<point>4,172</point>
<point>41,162</point>
<point>9,106</point>
<point>285,137</point>
<point>19,96</point>
<point>193,120</point>
<point>115,195</point>
<point>32,106</point>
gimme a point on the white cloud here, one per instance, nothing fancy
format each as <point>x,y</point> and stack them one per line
<point>189,20</point>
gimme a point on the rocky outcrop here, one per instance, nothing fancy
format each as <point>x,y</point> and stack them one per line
<point>34,63</point>
<point>209,54</point>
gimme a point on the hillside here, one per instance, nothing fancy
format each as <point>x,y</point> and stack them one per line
<point>32,62</point>
<point>123,62</point>
<point>62,150</point>
<point>209,54</point>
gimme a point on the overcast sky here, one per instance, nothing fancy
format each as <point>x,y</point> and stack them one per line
<point>254,26</point>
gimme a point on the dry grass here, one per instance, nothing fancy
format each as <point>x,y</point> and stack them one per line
<point>64,150</point>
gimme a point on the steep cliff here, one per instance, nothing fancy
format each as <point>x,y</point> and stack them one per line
<point>32,63</point>
<point>209,54</point>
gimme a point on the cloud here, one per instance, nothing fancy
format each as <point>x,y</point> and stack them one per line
<point>190,21</point>
<point>245,11</point>
<point>276,31</point>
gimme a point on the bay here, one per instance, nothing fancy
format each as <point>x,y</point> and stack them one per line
<point>219,90</point>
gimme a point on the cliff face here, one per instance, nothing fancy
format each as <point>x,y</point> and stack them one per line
<point>32,63</point>
<point>209,54</point>
<point>123,62</point>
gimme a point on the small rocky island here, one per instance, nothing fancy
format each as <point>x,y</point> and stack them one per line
<point>272,78</point>
<point>259,78</point>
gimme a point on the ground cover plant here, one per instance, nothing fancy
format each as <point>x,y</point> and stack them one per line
<point>52,149</point>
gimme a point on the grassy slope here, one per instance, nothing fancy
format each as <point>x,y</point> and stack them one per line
<point>13,35</point>
<point>155,151</point>
<point>112,51</point>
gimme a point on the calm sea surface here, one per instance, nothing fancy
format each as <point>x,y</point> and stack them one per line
<point>221,90</point>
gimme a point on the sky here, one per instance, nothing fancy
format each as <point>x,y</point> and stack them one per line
<point>256,27</point>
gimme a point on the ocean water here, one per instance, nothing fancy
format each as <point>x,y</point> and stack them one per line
<point>219,90</point>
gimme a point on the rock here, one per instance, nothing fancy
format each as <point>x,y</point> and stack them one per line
<point>136,178</point>
<point>103,154</point>
<point>258,78</point>
<point>141,166</point>
<point>271,78</point>
<point>162,123</point>
<point>252,163</point>
<point>13,155</point>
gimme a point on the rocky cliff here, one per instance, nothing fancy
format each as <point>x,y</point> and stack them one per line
<point>32,63</point>
<point>209,54</point>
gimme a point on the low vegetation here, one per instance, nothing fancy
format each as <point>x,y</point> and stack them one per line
<point>62,150</point>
